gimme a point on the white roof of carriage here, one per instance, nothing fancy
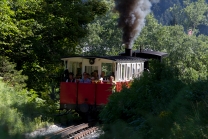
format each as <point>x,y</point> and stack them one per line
<point>112,58</point>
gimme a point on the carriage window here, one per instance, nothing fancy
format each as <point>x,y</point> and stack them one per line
<point>108,69</point>
<point>133,70</point>
<point>90,69</point>
<point>76,68</point>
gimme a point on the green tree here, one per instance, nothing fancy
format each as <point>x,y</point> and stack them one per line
<point>153,35</point>
<point>8,28</point>
<point>191,15</point>
<point>188,53</point>
<point>158,105</point>
<point>104,35</point>
<point>45,32</point>
<point>169,100</point>
<point>196,13</point>
<point>10,75</point>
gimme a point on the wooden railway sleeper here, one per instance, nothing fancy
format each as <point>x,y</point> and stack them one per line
<point>67,131</point>
<point>85,133</point>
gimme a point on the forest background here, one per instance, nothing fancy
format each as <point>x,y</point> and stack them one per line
<point>35,34</point>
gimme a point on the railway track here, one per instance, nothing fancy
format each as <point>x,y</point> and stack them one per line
<point>73,132</point>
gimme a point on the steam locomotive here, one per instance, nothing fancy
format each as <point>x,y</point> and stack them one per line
<point>87,97</point>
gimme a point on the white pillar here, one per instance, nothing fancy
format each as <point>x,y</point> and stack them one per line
<point>142,66</point>
<point>125,71</point>
<point>99,69</point>
<point>121,73</point>
<point>117,72</point>
<point>130,70</point>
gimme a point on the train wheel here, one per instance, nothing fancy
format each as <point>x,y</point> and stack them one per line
<point>84,107</point>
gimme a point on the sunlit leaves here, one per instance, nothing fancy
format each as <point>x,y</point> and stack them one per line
<point>104,35</point>
<point>191,15</point>
<point>10,75</point>
<point>37,33</point>
<point>196,12</point>
<point>187,52</point>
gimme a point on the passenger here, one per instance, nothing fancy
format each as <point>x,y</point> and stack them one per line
<point>66,75</point>
<point>71,78</point>
<point>88,75</point>
<point>92,79</point>
<point>95,75</point>
<point>102,76</point>
<point>101,80</point>
<point>113,84</point>
<point>85,79</point>
<point>78,76</point>
<point>112,80</point>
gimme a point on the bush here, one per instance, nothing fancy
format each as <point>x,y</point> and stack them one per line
<point>159,105</point>
<point>21,112</point>
<point>10,75</point>
<point>148,94</point>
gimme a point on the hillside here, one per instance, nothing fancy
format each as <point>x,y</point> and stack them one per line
<point>165,17</point>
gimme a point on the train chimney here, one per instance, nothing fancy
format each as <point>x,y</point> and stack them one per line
<point>128,52</point>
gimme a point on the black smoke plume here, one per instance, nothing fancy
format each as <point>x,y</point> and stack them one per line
<point>132,15</point>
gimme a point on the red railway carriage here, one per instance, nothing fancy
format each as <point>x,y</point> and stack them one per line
<point>85,97</point>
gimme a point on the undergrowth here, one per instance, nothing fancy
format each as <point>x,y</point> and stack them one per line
<point>21,111</point>
<point>158,105</point>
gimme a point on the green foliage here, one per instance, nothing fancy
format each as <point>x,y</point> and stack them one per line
<point>168,102</point>
<point>196,13</point>
<point>8,28</point>
<point>119,130</point>
<point>15,102</point>
<point>10,75</point>
<point>104,36</point>
<point>152,87</point>
<point>35,34</point>
<point>159,105</point>
<point>21,112</point>
<point>187,53</point>
<point>193,14</point>
<point>152,36</point>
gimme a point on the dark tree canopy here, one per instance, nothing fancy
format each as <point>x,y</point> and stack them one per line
<point>36,34</point>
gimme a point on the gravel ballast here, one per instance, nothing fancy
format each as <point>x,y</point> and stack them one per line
<point>55,128</point>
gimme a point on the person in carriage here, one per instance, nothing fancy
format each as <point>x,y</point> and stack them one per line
<point>85,78</point>
<point>71,78</point>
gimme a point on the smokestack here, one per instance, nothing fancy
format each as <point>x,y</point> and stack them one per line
<point>132,15</point>
<point>128,52</point>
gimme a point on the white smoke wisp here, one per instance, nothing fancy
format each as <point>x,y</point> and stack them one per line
<point>132,15</point>
<point>154,1</point>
